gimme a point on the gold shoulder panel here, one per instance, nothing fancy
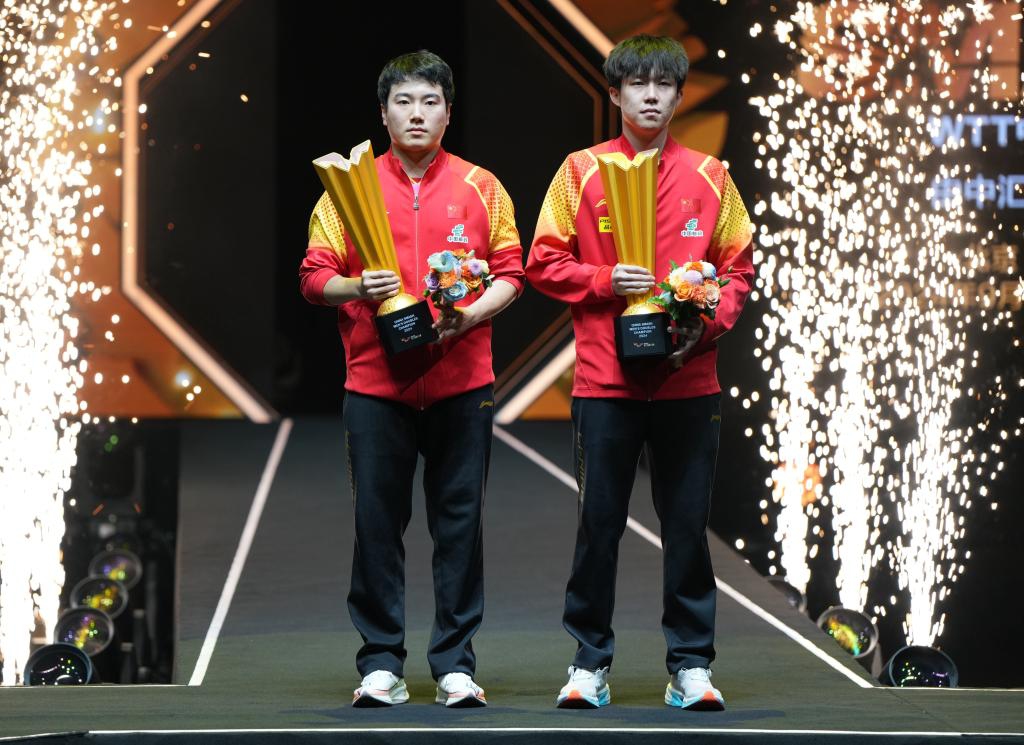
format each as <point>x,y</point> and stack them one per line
<point>500,212</point>
<point>325,225</point>
<point>732,230</point>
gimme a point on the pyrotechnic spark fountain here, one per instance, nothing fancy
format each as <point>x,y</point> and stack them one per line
<point>867,341</point>
<point>44,47</point>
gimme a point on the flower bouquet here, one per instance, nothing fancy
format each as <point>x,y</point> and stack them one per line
<point>691,290</point>
<point>453,275</point>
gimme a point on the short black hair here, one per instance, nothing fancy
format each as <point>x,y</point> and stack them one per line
<point>421,65</point>
<point>643,56</point>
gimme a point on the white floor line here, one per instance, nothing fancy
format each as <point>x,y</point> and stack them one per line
<point>242,553</point>
<point>594,730</point>
<point>524,449</point>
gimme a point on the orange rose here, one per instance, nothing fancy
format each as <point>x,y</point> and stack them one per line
<point>684,291</point>
<point>698,296</point>
<point>712,293</point>
<point>448,279</point>
<point>472,283</point>
<point>694,266</point>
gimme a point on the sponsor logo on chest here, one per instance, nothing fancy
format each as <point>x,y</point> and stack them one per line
<point>457,234</point>
<point>691,230</point>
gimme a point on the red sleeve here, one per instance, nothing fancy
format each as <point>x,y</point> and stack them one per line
<point>326,254</point>
<point>317,268</point>
<point>507,264</point>
<point>554,267</point>
<point>731,251</point>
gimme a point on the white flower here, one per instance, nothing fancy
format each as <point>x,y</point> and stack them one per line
<point>676,276</point>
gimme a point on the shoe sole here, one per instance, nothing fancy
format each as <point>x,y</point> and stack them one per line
<point>707,702</point>
<point>468,701</point>
<point>378,699</point>
<point>368,701</point>
<point>576,700</point>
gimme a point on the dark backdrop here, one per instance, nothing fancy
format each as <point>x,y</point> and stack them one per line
<point>230,185</point>
<point>229,189</point>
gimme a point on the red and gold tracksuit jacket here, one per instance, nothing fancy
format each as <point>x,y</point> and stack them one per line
<point>459,206</point>
<point>700,217</point>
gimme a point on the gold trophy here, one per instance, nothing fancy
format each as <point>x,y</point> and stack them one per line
<point>630,189</point>
<point>403,322</point>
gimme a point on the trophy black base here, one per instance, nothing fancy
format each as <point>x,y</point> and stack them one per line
<point>642,335</point>
<point>406,329</point>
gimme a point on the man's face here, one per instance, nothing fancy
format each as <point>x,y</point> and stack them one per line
<point>416,115</point>
<point>647,104</point>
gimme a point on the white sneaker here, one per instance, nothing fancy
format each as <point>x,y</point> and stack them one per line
<point>458,690</point>
<point>691,688</point>
<point>586,689</point>
<point>380,688</point>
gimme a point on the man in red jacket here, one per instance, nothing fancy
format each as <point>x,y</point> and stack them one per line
<point>672,406</point>
<point>436,400</point>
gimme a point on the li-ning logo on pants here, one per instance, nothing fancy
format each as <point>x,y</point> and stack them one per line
<point>690,231</point>
<point>457,236</point>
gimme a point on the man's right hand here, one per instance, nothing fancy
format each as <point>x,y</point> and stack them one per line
<point>379,284</point>
<point>631,280</point>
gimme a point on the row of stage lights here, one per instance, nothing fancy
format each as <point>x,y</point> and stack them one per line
<point>112,629</point>
<point>85,634</point>
<point>912,666</point>
<point>103,636</point>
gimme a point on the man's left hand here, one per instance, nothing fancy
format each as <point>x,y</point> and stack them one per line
<point>453,321</point>
<point>689,334</point>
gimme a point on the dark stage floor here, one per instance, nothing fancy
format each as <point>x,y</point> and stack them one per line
<point>282,667</point>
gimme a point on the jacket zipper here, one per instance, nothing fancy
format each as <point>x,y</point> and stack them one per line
<point>421,386</point>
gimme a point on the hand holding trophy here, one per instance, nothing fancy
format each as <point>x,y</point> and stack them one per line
<point>403,322</point>
<point>630,188</point>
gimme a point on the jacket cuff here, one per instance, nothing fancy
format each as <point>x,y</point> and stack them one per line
<point>515,280</point>
<point>603,283</point>
<point>315,284</point>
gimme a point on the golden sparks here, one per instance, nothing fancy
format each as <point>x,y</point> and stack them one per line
<point>874,298</point>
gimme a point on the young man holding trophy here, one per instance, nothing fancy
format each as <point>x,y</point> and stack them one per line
<point>414,386</point>
<point>633,231</point>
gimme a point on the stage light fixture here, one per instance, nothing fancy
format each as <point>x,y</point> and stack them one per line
<point>100,593</point>
<point>87,629</point>
<point>852,630</point>
<point>94,632</point>
<point>920,667</point>
<point>119,564</point>
<point>796,599</point>
<point>58,665</point>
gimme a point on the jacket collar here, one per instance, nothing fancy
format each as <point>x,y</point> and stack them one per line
<point>670,152</point>
<point>436,165</point>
